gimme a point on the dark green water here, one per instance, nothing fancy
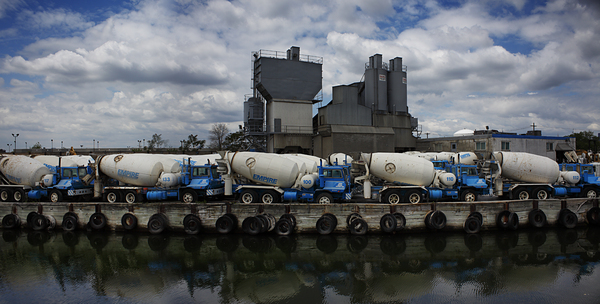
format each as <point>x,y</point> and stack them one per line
<point>537,266</point>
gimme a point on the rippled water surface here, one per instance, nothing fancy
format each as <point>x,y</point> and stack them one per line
<point>536,266</point>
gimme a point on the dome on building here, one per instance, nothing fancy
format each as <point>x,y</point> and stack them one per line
<point>464,132</point>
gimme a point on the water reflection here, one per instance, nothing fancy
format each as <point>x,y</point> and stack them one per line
<point>536,265</point>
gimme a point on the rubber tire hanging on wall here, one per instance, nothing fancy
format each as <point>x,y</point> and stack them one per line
<point>537,218</point>
<point>129,221</point>
<point>98,221</point>
<point>192,224</point>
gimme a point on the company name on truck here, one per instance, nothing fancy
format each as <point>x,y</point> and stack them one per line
<point>264,179</point>
<point>126,173</point>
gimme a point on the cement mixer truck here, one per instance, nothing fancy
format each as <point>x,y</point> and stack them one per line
<point>580,180</point>
<point>26,178</point>
<point>398,178</point>
<point>135,178</point>
<point>271,178</point>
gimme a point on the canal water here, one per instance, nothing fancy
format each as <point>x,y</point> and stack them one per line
<point>535,266</point>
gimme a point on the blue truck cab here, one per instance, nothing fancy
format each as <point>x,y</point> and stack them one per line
<point>588,184</point>
<point>468,182</point>
<point>66,182</point>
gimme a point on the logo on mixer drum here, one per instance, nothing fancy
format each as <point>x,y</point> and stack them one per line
<point>390,168</point>
<point>250,162</point>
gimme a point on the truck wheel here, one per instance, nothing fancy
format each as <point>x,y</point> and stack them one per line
<point>269,197</point>
<point>392,197</point>
<point>112,196</point>
<point>5,195</point>
<point>359,227</point>
<point>131,197</point>
<point>413,197</point>
<point>468,196</point>
<point>248,196</point>
<point>589,193</point>
<point>324,198</point>
<point>129,221</point>
<point>55,196</point>
<point>521,194</point>
<point>192,224</point>
<point>189,196</point>
<point>19,195</point>
<point>541,194</point>
<point>388,223</point>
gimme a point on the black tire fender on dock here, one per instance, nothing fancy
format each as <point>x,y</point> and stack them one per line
<point>252,225</point>
<point>192,224</point>
<point>437,220</point>
<point>30,217</point>
<point>472,225</point>
<point>593,216</point>
<point>224,224</point>
<point>69,222</point>
<point>388,223</point>
<point>289,217</point>
<point>502,219</point>
<point>567,218</point>
<point>98,221</point>
<point>359,227</point>
<point>284,227</point>
<point>333,218</point>
<point>325,225</point>
<point>39,222</point>
<point>157,223</point>
<point>400,221</point>
<point>129,221</point>
<point>477,215</point>
<point>537,218</point>
<point>11,221</point>
<point>513,221</point>
<point>351,217</point>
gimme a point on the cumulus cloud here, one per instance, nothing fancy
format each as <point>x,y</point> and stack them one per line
<point>177,67</point>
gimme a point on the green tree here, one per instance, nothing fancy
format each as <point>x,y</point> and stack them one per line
<point>37,146</point>
<point>156,142</point>
<point>586,140</point>
<point>192,143</point>
<point>239,141</point>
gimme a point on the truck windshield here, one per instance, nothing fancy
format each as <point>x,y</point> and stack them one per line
<point>332,173</point>
<point>82,172</point>
<point>69,172</point>
<point>469,171</point>
<point>200,172</point>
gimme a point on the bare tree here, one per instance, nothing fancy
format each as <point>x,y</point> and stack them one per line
<point>217,135</point>
<point>156,142</point>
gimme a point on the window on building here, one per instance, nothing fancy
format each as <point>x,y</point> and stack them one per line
<point>453,147</point>
<point>549,146</point>
<point>505,146</point>
<point>480,145</point>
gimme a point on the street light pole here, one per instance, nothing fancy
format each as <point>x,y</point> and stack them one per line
<point>52,144</point>
<point>15,136</point>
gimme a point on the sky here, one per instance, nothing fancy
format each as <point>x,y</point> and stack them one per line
<point>76,73</point>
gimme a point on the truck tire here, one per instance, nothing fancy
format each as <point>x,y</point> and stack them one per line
<point>472,225</point>
<point>468,196</point>
<point>129,221</point>
<point>593,216</point>
<point>69,222</point>
<point>388,223</point>
<point>192,224</point>
<point>269,197</point>
<point>359,227</point>
<point>284,227</point>
<point>189,196</point>
<point>225,224</point>
<point>39,222</point>
<point>392,197</point>
<point>11,221</point>
<point>400,221</point>
<point>324,198</point>
<point>325,225</point>
<point>413,196</point>
<point>248,196</point>
<point>537,218</point>
<point>55,196</point>
<point>521,194</point>
<point>5,195</point>
<point>98,221</point>
<point>131,197</point>
<point>541,194</point>
<point>157,223</point>
<point>567,218</point>
<point>351,217</point>
<point>589,192</point>
<point>113,196</point>
<point>19,195</point>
